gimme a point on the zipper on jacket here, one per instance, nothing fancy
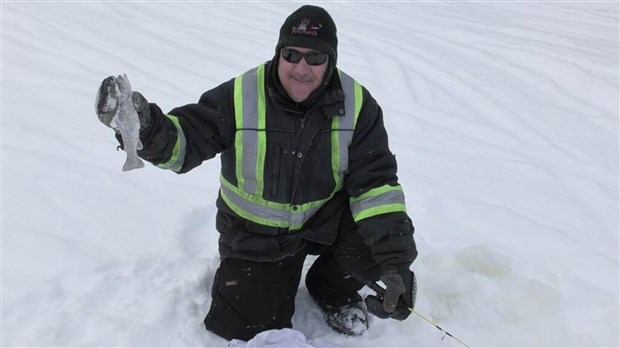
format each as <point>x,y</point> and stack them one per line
<point>302,119</point>
<point>301,156</point>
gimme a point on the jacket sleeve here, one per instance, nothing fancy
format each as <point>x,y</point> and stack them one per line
<point>376,199</point>
<point>188,135</point>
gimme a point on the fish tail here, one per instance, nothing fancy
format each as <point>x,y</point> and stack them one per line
<point>133,163</point>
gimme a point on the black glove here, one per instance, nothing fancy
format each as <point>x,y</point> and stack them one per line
<point>394,287</point>
<point>397,299</point>
<point>107,103</point>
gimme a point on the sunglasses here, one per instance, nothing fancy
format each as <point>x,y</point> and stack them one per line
<point>312,58</point>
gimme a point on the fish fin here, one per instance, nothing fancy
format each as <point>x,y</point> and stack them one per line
<point>139,145</point>
<point>133,164</point>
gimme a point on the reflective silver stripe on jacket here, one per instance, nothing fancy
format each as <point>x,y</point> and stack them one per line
<point>352,104</point>
<point>268,213</point>
<point>381,200</point>
<point>250,137</point>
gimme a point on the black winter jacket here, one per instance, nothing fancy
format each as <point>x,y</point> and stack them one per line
<point>209,129</point>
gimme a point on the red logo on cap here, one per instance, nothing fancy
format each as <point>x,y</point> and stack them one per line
<point>306,28</point>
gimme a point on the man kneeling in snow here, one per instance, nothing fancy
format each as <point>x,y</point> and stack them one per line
<point>306,170</point>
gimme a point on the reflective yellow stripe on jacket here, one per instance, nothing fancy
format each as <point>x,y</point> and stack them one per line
<point>176,160</point>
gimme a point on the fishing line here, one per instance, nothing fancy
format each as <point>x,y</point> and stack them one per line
<point>445,333</point>
<point>381,291</point>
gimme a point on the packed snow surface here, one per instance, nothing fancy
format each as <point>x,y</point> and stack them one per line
<point>503,117</point>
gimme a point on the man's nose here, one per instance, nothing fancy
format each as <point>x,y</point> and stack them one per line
<point>302,66</point>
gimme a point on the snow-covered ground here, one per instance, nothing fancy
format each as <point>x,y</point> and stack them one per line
<point>503,116</point>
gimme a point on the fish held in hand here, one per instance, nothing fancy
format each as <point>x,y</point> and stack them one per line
<point>127,123</point>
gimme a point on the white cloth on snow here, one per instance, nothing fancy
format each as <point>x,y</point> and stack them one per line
<point>276,338</point>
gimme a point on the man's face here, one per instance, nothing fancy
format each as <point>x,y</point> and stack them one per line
<point>300,79</point>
